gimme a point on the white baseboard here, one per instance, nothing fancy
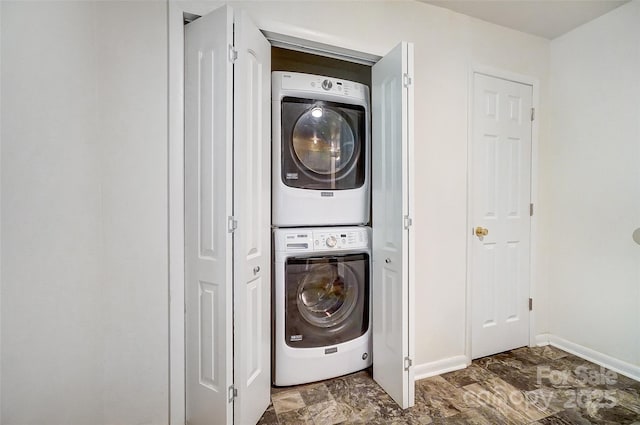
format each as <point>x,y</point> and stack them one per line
<point>541,340</point>
<point>425,370</point>
<point>617,365</point>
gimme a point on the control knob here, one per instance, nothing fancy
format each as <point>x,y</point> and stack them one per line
<point>326,84</point>
<point>331,241</point>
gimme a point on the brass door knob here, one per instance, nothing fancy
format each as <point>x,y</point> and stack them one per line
<point>481,231</point>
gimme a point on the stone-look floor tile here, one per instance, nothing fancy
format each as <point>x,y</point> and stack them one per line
<point>628,398</point>
<point>529,356</point>
<point>515,399</point>
<point>547,351</point>
<point>497,405</point>
<point>473,374</point>
<point>313,394</point>
<point>326,413</point>
<point>548,399</point>
<point>450,399</point>
<point>616,415</point>
<point>417,416</point>
<point>477,416</point>
<point>286,401</point>
<point>437,398</point>
<point>521,374</point>
<point>268,417</point>
<point>295,417</point>
<point>361,399</point>
<point>553,353</point>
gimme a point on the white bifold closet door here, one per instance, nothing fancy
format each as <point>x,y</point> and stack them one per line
<point>393,287</point>
<point>227,214</point>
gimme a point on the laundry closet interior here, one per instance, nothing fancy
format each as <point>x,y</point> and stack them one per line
<point>298,232</point>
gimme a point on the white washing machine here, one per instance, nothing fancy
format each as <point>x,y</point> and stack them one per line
<point>321,151</point>
<point>322,305</point>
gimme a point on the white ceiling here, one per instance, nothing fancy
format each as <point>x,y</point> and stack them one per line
<point>545,18</point>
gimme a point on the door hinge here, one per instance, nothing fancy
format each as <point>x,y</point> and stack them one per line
<point>408,222</point>
<point>232,224</point>
<point>533,114</point>
<point>530,304</point>
<point>233,393</point>
<point>530,210</point>
<point>233,53</point>
<point>407,363</point>
<point>406,80</point>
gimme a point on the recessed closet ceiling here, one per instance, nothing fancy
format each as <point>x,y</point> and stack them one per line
<point>548,19</point>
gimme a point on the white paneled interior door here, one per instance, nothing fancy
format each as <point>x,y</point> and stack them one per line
<point>208,204</point>
<point>392,315</point>
<point>252,210</point>
<point>500,215</point>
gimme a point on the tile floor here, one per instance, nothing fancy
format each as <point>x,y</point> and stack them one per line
<point>540,385</point>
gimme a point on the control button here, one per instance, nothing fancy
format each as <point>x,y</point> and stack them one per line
<point>331,241</point>
<point>313,84</point>
<point>326,84</point>
<point>344,240</point>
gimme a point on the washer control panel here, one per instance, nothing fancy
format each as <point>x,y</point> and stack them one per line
<point>323,239</point>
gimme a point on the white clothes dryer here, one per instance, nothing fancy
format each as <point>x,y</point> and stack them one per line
<point>321,151</point>
<point>322,307</point>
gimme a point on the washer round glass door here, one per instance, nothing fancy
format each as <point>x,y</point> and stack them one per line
<point>326,299</point>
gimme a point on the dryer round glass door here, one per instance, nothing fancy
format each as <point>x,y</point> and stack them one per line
<point>327,299</point>
<point>323,144</point>
<point>323,141</point>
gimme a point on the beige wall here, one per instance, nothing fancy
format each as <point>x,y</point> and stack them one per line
<point>591,183</point>
<point>84,221</point>
<point>51,228</point>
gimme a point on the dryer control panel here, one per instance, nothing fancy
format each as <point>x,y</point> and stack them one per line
<point>322,239</point>
<point>319,84</point>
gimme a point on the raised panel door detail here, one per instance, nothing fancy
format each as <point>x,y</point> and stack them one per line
<point>390,175</point>
<point>252,208</point>
<point>208,204</point>
<point>513,157</point>
<point>515,109</point>
<point>500,197</point>
<point>491,104</point>
<point>388,303</point>
<point>254,154</point>
<point>253,317</point>
<point>487,307</point>
<point>391,143</point>
<point>208,309</point>
<point>513,299</point>
<point>490,180</point>
<point>205,134</point>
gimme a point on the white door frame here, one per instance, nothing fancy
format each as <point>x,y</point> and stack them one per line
<point>175,148</point>
<point>535,83</point>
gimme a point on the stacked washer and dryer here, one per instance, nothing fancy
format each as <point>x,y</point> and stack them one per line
<point>322,245</point>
